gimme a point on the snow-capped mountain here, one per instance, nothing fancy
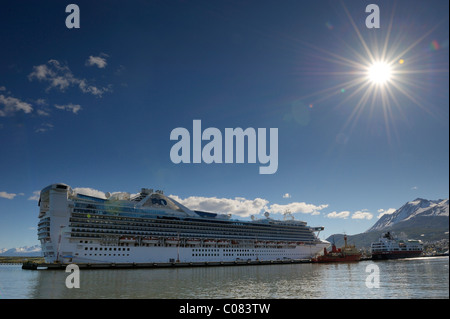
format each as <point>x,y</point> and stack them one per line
<point>412,211</point>
<point>426,220</point>
<point>28,251</point>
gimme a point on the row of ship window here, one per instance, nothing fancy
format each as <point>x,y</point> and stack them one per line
<point>234,250</point>
<point>108,255</point>
<point>107,248</point>
<point>393,249</point>
<point>198,252</point>
<point>241,255</point>
<point>97,234</point>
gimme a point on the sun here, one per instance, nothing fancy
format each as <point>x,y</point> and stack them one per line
<point>379,73</point>
<point>382,73</point>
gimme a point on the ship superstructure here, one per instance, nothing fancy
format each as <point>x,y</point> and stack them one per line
<point>346,253</point>
<point>151,227</point>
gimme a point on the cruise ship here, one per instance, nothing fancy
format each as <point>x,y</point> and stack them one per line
<point>389,247</point>
<point>153,228</point>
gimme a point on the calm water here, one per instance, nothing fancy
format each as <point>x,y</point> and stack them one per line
<point>407,278</point>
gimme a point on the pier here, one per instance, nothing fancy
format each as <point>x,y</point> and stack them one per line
<point>56,266</point>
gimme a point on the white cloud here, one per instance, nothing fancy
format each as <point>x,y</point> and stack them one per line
<point>90,192</point>
<point>245,207</point>
<point>12,105</point>
<point>237,206</point>
<point>44,128</point>
<point>343,214</point>
<point>42,113</point>
<point>98,61</point>
<point>41,102</point>
<point>35,195</point>
<point>60,77</point>
<point>296,207</point>
<point>69,107</point>
<point>385,212</point>
<point>7,195</point>
<point>96,193</point>
<point>85,88</point>
<point>287,195</point>
<point>41,72</point>
<point>362,214</point>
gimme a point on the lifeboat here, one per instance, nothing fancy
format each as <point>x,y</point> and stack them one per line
<point>260,243</point>
<point>271,244</point>
<point>128,240</point>
<point>172,241</point>
<point>193,241</point>
<point>150,240</point>
<point>292,244</point>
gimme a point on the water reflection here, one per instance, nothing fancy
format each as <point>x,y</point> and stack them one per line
<point>409,278</point>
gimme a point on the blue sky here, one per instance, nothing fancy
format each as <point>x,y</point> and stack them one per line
<point>94,107</point>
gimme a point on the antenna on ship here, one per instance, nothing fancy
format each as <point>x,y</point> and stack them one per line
<point>288,214</point>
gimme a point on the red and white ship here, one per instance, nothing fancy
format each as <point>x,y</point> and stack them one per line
<point>389,247</point>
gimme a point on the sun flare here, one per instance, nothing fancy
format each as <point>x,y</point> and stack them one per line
<point>379,73</point>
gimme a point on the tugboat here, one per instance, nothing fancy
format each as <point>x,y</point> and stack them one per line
<point>347,253</point>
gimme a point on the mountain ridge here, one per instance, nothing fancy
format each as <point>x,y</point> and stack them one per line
<point>423,219</point>
<point>28,251</point>
<point>411,210</point>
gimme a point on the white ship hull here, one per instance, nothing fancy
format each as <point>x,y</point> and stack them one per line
<point>95,253</point>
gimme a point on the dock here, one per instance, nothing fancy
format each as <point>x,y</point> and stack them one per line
<point>60,266</point>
